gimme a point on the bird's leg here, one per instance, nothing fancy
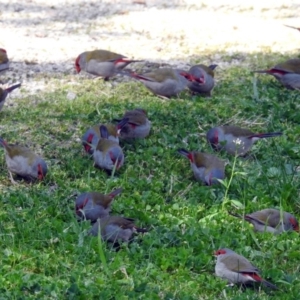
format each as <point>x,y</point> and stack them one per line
<point>75,194</point>
<point>163,97</point>
<point>192,93</point>
<point>100,78</point>
<point>247,156</point>
<point>11,178</point>
<point>230,284</point>
<point>108,172</point>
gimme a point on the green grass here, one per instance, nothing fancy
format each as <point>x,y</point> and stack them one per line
<point>47,254</point>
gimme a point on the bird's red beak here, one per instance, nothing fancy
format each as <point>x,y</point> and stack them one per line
<point>200,80</point>
<point>87,147</point>
<point>78,208</point>
<point>114,160</point>
<point>294,224</point>
<point>190,157</point>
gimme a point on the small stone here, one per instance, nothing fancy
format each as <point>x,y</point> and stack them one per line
<point>71,96</point>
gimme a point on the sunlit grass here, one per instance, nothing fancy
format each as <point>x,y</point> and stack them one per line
<point>47,254</point>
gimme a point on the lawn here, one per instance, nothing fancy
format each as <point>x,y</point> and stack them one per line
<point>47,254</point>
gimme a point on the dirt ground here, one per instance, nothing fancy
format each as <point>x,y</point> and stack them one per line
<point>43,36</point>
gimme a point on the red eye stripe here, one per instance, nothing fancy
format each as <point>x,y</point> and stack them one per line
<point>78,207</point>
<point>294,224</point>
<point>40,172</point>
